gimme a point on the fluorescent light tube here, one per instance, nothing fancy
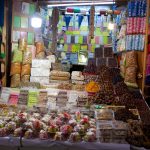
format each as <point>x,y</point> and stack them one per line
<point>81,4</point>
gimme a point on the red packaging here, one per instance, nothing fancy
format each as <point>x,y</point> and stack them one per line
<point>141,25</point>
<point>129,26</point>
<point>70,10</point>
<point>144,25</point>
<point>138,25</point>
<point>134,25</point>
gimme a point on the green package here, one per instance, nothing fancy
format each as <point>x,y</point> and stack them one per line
<point>17,56</point>
<point>17,22</point>
<point>32,9</point>
<point>30,38</point>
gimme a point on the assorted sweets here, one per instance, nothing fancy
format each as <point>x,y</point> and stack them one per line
<point>55,126</point>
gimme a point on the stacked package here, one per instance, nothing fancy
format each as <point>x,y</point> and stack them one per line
<point>17,62</point>
<point>40,54</point>
<point>104,57</point>
<point>108,129</point>
<point>42,98</point>
<point>26,66</point>
<point>77,77</point>
<point>62,99</point>
<point>59,75</point>
<point>21,64</point>
<point>40,71</point>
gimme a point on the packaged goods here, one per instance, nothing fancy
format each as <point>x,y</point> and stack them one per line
<point>99,52</point>
<point>15,80</point>
<point>92,87</point>
<point>104,114</point>
<point>23,97</point>
<point>123,114</point>
<point>57,66</point>
<point>26,69</point>
<point>22,44</point>
<point>130,76</point>
<point>27,57</point>
<point>59,78</point>
<point>65,86</point>
<point>32,48</point>
<point>112,62</point>
<point>25,78</point>
<point>101,61</point>
<point>40,55</point>
<point>39,47</point>
<point>15,68</point>
<point>41,63</point>
<point>78,87</point>
<point>60,74</point>
<point>40,72</point>
<point>131,59</point>
<point>17,56</point>
<point>108,52</point>
<point>42,80</point>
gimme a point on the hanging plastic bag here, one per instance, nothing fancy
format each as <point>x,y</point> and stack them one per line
<point>15,68</point>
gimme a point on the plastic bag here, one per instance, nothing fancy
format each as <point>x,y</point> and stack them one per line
<point>131,59</point>
<point>39,47</point>
<point>15,80</point>
<point>41,55</point>
<point>26,70</point>
<point>22,44</point>
<point>27,57</point>
<point>25,78</point>
<point>17,56</point>
<point>15,68</point>
<point>130,76</point>
<point>122,70</point>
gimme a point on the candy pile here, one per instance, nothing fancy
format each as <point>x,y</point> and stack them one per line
<point>56,126</point>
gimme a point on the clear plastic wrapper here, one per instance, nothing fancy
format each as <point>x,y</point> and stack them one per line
<point>130,76</point>
<point>42,63</point>
<point>26,69</point>
<point>25,78</point>
<point>15,80</point>
<point>15,68</point>
<point>131,59</point>
<point>22,44</point>
<point>39,47</point>
<point>104,114</point>
<point>17,56</point>
<point>40,55</point>
<point>27,57</point>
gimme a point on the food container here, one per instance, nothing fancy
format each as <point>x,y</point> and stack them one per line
<point>120,129</point>
<point>105,129</point>
<point>104,114</point>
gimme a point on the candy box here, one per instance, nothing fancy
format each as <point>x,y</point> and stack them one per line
<point>41,63</point>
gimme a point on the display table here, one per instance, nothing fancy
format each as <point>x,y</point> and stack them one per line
<point>7,143</point>
<point>55,145</point>
<point>13,143</point>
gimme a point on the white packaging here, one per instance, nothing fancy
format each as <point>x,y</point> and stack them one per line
<point>43,80</point>
<point>5,94</point>
<point>51,58</point>
<point>41,63</point>
<point>76,73</point>
<point>40,72</point>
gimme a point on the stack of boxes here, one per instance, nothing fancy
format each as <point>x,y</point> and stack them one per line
<point>104,57</point>
<point>40,71</point>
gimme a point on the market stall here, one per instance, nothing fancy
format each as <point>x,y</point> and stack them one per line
<point>77,77</point>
